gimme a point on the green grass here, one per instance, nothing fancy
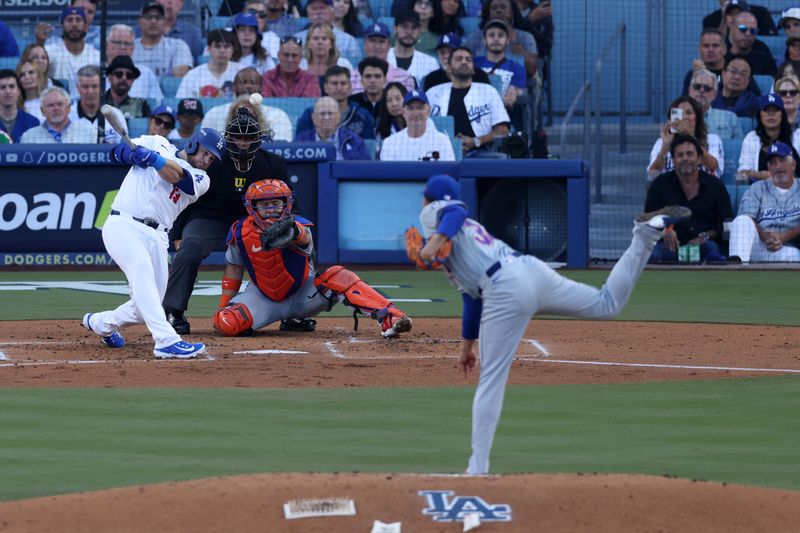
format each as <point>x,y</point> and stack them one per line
<point>66,440</point>
<point>740,297</point>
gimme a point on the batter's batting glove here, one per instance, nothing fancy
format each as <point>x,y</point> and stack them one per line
<point>143,158</point>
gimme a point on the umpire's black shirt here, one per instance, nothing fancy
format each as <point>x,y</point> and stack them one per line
<point>225,198</point>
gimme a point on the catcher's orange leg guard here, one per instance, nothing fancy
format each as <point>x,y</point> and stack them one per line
<point>337,282</point>
<point>233,320</point>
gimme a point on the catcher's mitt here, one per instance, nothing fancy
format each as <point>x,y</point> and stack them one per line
<point>282,232</point>
<point>415,242</point>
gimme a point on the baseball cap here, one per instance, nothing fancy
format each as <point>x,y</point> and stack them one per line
<point>495,23</point>
<point>741,4</point>
<point>415,94</point>
<point>123,62</point>
<point>443,187</point>
<point>245,19</point>
<point>329,2</point>
<point>771,99</point>
<point>778,149</point>
<point>152,5</point>
<point>190,106</point>
<point>449,40</point>
<point>378,29</point>
<point>164,110</point>
<point>72,10</point>
<point>789,13</point>
<point>407,16</point>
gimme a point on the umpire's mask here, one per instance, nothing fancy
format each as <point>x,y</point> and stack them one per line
<point>243,136</point>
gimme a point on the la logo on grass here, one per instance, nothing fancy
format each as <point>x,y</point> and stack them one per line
<point>443,506</point>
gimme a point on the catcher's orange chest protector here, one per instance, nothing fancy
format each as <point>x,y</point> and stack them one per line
<point>271,276</point>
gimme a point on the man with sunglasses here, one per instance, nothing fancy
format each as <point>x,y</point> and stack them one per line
<point>121,74</point>
<point>743,42</point>
<point>703,89</point>
<point>272,17</point>
<point>288,79</point>
<point>162,121</point>
<point>712,57</point>
<point>716,19</point>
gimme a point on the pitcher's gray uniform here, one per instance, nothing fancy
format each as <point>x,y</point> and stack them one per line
<point>503,290</point>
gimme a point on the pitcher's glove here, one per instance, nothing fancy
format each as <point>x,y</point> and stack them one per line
<point>416,242</point>
<point>280,234</point>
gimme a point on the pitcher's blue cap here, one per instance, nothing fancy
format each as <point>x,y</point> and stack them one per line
<point>442,187</point>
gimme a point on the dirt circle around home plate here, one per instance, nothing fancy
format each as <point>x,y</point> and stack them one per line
<point>62,354</point>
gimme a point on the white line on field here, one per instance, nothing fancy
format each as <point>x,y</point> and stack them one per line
<point>25,343</point>
<point>334,350</point>
<point>3,357</point>
<point>208,358</point>
<point>268,352</point>
<point>539,346</point>
<point>654,365</point>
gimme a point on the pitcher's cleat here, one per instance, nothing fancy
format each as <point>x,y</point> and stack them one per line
<point>665,217</point>
<point>180,350</point>
<point>115,340</point>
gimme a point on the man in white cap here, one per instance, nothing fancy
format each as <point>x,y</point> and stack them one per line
<point>419,140</point>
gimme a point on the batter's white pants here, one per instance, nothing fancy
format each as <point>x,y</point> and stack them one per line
<point>141,253</point>
<point>746,243</point>
<point>522,288</point>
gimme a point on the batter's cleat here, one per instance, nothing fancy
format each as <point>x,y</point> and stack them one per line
<point>115,340</point>
<point>298,324</point>
<point>665,217</point>
<point>178,322</point>
<point>180,350</point>
<point>394,322</point>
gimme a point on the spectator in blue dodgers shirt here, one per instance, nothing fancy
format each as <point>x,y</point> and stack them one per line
<point>13,119</point>
<point>512,74</point>
<point>120,42</point>
<point>377,45</point>
<point>166,56</point>
<point>44,31</point>
<point>703,89</point>
<point>767,227</point>
<point>772,125</point>
<point>71,52</point>
<point>444,48</point>
<point>184,30</point>
<point>711,155</point>
<point>476,108</point>
<point>326,119</point>
<point>87,108</point>
<point>251,51</point>
<point>688,185</point>
<point>8,44</point>
<point>57,127</point>
<point>521,42</point>
<point>419,140</point>
<point>211,79</point>
<point>321,12</point>
<point>733,93</point>
<point>404,53</point>
<point>352,116</point>
<point>743,42</point>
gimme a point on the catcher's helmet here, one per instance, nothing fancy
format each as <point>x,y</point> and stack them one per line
<point>268,190</point>
<point>209,139</point>
<point>244,127</point>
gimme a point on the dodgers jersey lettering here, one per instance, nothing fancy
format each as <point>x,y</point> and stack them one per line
<point>474,249</point>
<point>484,106</point>
<point>145,194</point>
<point>771,208</point>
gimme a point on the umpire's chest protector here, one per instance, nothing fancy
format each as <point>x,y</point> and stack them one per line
<point>277,273</point>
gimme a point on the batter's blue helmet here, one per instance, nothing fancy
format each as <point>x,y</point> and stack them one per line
<point>209,139</point>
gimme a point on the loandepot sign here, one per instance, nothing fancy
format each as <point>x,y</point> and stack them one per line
<point>201,288</point>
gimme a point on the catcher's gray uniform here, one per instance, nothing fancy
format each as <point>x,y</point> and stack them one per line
<point>773,209</point>
<point>512,288</point>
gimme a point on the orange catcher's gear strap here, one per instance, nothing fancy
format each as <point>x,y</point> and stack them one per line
<point>229,284</point>
<point>346,286</point>
<point>233,320</point>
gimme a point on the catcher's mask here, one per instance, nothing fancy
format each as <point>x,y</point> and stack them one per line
<point>268,190</point>
<point>245,129</point>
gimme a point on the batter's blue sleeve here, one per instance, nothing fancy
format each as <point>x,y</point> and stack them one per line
<point>121,153</point>
<point>471,317</point>
<point>451,218</point>
<point>187,183</point>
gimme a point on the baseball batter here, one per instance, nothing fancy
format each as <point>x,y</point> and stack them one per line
<point>159,185</point>
<point>275,249</point>
<point>502,289</point>
<point>768,225</point>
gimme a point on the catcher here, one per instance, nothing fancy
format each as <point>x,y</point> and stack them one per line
<point>275,248</point>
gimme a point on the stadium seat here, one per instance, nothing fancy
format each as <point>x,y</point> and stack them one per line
<point>747,124</point>
<point>169,85</point>
<point>445,124</point>
<point>380,8</point>
<point>208,103</point>
<point>372,148</point>
<point>497,81</point>
<point>137,127</point>
<point>732,148</point>
<point>9,62</point>
<point>216,22</point>
<point>776,45</point>
<point>201,60</point>
<point>764,83</point>
<point>293,106</point>
<point>470,25</point>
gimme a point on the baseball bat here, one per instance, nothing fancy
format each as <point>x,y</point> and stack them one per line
<point>119,127</point>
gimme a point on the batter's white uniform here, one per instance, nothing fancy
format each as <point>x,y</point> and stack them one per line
<point>485,108</point>
<point>512,289</point>
<point>140,250</point>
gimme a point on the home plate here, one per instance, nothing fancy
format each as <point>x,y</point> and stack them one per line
<point>270,352</point>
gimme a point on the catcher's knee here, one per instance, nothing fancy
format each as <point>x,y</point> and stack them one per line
<point>233,320</point>
<point>346,285</point>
